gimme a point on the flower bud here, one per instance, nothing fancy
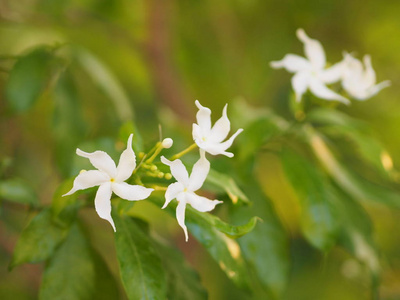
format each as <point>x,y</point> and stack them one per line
<point>167,143</point>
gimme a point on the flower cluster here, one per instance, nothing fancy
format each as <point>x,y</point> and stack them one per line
<point>111,178</point>
<point>311,73</point>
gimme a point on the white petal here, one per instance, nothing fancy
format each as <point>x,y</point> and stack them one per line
<point>180,216</point>
<point>87,180</point>
<point>199,173</point>
<point>369,75</point>
<point>219,148</point>
<point>321,91</point>
<point>101,161</point>
<point>221,128</point>
<point>178,170</point>
<point>131,192</point>
<point>313,50</point>
<point>203,117</point>
<point>292,62</point>
<point>127,162</point>
<point>102,203</point>
<point>333,74</point>
<point>300,83</point>
<point>201,203</point>
<point>372,91</point>
<point>172,192</point>
<point>197,133</point>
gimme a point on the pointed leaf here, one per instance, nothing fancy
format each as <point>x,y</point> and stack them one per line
<point>27,79</point>
<point>142,273</point>
<point>39,240</point>
<point>18,191</point>
<point>319,218</point>
<point>76,271</point>
<point>228,185</point>
<point>266,248</point>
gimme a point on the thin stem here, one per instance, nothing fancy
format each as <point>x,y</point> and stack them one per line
<point>159,147</point>
<point>182,153</point>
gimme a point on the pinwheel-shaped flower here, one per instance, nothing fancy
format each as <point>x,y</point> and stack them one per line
<point>358,80</point>
<point>109,178</point>
<point>310,72</point>
<point>210,139</point>
<point>184,189</point>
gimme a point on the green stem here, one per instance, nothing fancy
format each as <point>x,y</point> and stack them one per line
<point>159,147</point>
<point>182,153</point>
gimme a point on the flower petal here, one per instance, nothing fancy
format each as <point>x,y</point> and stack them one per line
<point>369,75</point>
<point>102,203</point>
<point>201,203</point>
<point>221,128</point>
<point>219,148</point>
<point>127,162</point>
<point>180,216</point>
<point>313,49</point>
<point>197,133</point>
<point>203,117</point>
<point>101,161</point>
<point>199,173</point>
<point>321,91</point>
<point>88,179</point>
<point>131,192</point>
<point>334,73</point>
<point>300,83</point>
<point>172,192</point>
<point>178,170</point>
<point>291,62</point>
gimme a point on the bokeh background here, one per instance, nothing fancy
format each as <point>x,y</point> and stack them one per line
<point>166,54</point>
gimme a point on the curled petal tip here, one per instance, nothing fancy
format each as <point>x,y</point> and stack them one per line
<point>276,64</point>
<point>165,161</point>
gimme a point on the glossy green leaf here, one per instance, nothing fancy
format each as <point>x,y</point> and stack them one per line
<point>266,248</point>
<point>356,134</point>
<point>68,126</point>
<point>76,271</point>
<point>183,281</point>
<point>28,78</point>
<point>319,218</point>
<point>228,185</point>
<point>142,273</point>
<point>18,191</point>
<point>356,230</point>
<point>359,188</point>
<point>39,240</point>
<point>225,250</point>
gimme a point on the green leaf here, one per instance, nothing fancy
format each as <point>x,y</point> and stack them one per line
<point>39,240</point>
<point>266,248</point>
<point>183,281</point>
<point>212,233</point>
<point>64,209</point>
<point>356,230</point>
<point>77,271</point>
<point>356,134</point>
<point>140,266</point>
<point>18,191</point>
<point>106,81</point>
<point>319,218</point>
<point>228,185</point>
<point>359,188</point>
<point>68,126</point>
<point>28,78</point>
<point>259,124</point>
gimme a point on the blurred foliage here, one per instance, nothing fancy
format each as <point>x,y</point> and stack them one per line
<point>322,179</point>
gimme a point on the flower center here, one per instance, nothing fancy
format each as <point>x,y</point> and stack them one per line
<point>112,180</point>
<point>204,139</point>
<point>185,189</point>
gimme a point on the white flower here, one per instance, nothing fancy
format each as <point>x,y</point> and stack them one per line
<point>183,190</point>
<point>110,178</point>
<point>210,139</point>
<point>310,72</point>
<point>358,80</point>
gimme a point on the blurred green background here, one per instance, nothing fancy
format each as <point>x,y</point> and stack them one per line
<point>166,54</point>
